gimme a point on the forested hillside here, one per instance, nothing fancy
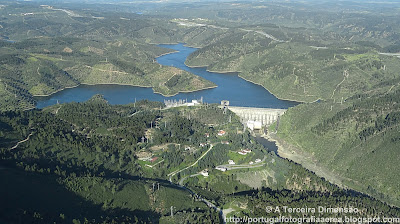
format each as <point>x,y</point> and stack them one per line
<point>344,57</point>
<point>303,53</point>
<point>358,140</point>
<point>298,70</point>
<point>114,162</point>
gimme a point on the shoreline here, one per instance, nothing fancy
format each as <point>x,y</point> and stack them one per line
<point>186,91</point>
<point>224,72</point>
<point>175,51</point>
<point>121,84</point>
<point>186,45</point>
<point>59,90</point>
<point>280,98</point>
<point>90,84</point>
<point>208,70</point>
<point>238,74</point>
<point>175,43</point>
<point>118,84</point>
<point>195,66</point>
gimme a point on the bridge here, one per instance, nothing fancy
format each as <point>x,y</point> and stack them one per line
<point>254,117</point>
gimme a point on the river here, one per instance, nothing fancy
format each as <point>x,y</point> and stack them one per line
<point>230,87</point>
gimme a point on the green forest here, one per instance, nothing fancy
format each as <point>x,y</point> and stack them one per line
<point>90,155</point>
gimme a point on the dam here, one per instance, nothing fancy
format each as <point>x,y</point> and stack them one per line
<point>253,117</point>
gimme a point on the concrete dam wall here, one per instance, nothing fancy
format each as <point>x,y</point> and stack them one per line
<point>265,116</point>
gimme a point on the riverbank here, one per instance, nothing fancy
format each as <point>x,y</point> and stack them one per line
<point>291,152</point>
<point>166,53</point>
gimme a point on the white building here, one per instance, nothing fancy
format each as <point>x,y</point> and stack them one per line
<point>223,169</point>
<point>231,162</point>
<point>247,150</point>
<point>193,103</point>
<point>252,125</point>
<point>204,173</point>
<point>242,152</point>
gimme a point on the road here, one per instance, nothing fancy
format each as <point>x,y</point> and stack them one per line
<point>22,141</point>
<point>264,34</point>
<point>151,166</point>
<point>226,28</point>
<point>243,166</point>
<point>207,202</point>
<point>178,171</point>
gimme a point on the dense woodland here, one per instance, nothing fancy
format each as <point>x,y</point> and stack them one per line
<point>358,138</point>
<point>84,155</point>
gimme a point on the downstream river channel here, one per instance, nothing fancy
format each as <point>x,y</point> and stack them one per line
<point>230,87</point>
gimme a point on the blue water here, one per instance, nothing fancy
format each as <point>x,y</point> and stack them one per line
<point>230,87</point>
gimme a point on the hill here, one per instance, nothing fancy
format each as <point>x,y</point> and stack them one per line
<point>357,141</point>
<point>297,71</point>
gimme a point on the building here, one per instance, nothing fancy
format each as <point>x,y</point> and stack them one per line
<point>153,159</point>
<point>194,103</point>
<point>254,125</point>
<point>221,133</point>
<point>242,152</point>
<point>204,173</point>
<point>225,142</point>
<point>223,169</point>
<point>257,160</point>
<point>251,162</point>
<point>225,103</point>
<point>231,162</point>
<point>247,150</point>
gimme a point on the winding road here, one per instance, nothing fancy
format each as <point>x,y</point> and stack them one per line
<point>243,166</point>
<point>178,171</point>
<point>22,141</point>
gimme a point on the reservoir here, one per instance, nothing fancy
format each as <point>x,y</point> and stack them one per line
<point>230,87</point>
